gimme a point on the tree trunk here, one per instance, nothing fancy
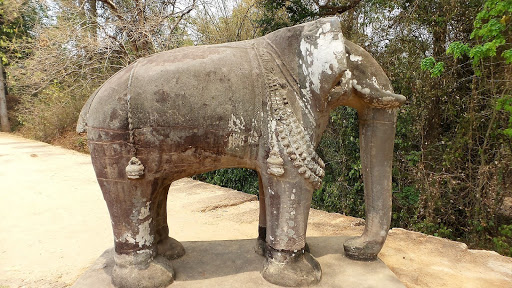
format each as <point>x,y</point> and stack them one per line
<point>6,127</point>
<point>433,121</point>
<point>93,19</point>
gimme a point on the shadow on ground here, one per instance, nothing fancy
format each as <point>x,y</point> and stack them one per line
<point>233,263</point>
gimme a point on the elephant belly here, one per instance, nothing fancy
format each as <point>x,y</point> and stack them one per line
<point>190,105</point>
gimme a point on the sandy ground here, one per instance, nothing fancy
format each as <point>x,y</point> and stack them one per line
<point>54,224</point>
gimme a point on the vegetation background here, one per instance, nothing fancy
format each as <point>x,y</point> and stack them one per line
<point>452,60</point>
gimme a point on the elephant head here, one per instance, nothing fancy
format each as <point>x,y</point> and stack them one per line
<point>332,71</point>
<point>356,80</point>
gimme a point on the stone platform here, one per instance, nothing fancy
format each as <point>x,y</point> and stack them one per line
<point>232,263</point>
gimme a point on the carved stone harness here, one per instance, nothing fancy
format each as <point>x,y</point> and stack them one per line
<point>286,133</point>
<point>135,169</point>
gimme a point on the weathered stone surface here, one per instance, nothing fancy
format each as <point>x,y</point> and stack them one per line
<point>261,104</point>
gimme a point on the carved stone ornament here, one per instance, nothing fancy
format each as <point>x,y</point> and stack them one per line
<point>293,137</point>
<point>135,169</point>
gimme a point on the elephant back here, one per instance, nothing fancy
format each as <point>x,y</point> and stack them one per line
<point>107,107</point>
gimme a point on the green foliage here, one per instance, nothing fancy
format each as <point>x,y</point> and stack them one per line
<point>343,189</point>
<point>52,113</point>
<point>458,49</point>
<point>503,242</point>
<point>240,179</point>
<point>505,104</point>
<point>430,64</point>
<point>408,196</point>
<point>507,54</point>
<point>16,20</point>
<point>279,14</point>
<point>492,26</point>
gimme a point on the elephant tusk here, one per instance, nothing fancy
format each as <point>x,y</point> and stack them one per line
<point>378,97</point>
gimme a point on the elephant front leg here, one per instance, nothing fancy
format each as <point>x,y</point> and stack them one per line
<point>377,134</point>
<point>287,202</point>
<point>261,243</point>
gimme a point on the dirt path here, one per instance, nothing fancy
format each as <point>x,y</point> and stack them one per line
<point>54,224</point>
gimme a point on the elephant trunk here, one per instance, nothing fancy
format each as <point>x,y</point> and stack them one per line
<point>377,134</point>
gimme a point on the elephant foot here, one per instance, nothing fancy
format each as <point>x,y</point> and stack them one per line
<point>360,248</point>
<point>290,268</point>
<point>261,247</point>
<point>170,248</point>
<point>142,271</point>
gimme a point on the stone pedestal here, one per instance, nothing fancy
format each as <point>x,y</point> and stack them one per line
<point>233,263</point>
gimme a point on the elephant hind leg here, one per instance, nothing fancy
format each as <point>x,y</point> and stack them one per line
<point>168,247</point>
<point>133,216</point>
<point>132,212</point>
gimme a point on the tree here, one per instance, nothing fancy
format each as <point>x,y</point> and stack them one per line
<point>4,120</point>
<point>279,14</point>
<point>488,51</point>
<point>16,20</point>
<point>215,23</point>
<point>78,46</point>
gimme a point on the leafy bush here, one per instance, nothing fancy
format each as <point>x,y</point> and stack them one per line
<point>53,112</point>
<point>240,179</point>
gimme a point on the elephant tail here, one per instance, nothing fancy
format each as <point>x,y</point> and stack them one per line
<point>81,125</point>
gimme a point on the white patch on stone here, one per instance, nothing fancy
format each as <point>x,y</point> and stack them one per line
<point>324,57</point>
<point>347,75</point>
<point>236,140</point>
<point>355,58</point>
<point>365,91</point>
<point>376,83</point>
<point>126,237</point>
<point>388,99</point>
<point>236,127</point>
<point>320,56</point>
<point>253,137</point>
<point>144,237</point>
<point>144,211</point>
<point>145,251</point>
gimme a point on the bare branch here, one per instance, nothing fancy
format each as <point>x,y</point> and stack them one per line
<point>330,8</point>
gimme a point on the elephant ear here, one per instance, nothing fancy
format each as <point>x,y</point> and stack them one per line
<point>322,57</point>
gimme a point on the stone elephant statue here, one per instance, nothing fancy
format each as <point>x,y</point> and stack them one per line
<point>261,104</point>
